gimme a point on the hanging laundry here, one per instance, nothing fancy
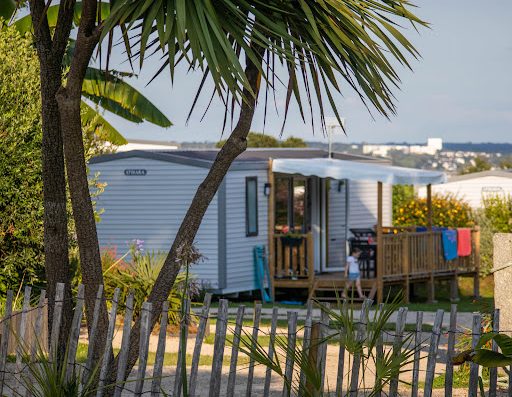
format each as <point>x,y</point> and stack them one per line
<point>449,244</point>
<point>464,242</point>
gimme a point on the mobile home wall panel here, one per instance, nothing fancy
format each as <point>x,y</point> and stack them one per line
<point>151,207</point>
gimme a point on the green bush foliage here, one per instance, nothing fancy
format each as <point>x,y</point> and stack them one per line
<point>21,186</point>
<point>259,140</point>
<point>138,275</point>
<point>21,207</point>
<point>494,217</point>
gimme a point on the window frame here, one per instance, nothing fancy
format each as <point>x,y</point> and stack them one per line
<point>248,180</point>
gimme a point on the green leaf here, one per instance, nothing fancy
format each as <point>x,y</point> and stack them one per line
<point>24,24</point>
<point>119,97</point>
<point>7,9</point>
<point>491,359</point>
<point>112,135</point>
<point>484,339</point>
<point>505,344</point>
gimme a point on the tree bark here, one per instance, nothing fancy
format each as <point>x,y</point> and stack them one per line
<point>50,53</point>
<point>234,146</point>
<point>69,100</point>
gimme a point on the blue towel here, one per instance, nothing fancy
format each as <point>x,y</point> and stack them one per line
<point>421,229</point>
<point>449,244</point>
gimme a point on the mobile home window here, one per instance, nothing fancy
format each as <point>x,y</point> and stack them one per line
<point>251,206</point>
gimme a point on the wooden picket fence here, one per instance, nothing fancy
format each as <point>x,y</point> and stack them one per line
<point>241,378</point>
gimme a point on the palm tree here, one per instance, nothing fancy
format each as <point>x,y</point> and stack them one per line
<point>107,90</point>
<point>315,41</point>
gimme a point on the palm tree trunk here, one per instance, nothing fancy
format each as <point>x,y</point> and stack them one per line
<point>50,54</point>
<point>69,99</point>
<point>234,146</point>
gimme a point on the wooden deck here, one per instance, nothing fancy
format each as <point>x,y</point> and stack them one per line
<point>404,257</point>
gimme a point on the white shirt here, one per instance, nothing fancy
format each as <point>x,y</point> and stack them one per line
<point>353,266</point>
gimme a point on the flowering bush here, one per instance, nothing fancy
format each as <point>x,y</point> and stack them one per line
<point>139,273</point>
<point>447,210</point>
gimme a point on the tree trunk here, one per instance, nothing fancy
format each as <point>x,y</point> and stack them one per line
<point>69,100</point>
<point>54,183</point>
<point>234,146</point>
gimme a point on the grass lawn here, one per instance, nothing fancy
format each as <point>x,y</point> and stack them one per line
<point>169,359</point>
<point>466,303</point>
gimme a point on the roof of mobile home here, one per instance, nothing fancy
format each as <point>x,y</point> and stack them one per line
<point>252,158</point>
<point>482,174</point>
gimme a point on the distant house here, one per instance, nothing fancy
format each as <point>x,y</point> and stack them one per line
<point>148,193</point>
<point>476,186</point>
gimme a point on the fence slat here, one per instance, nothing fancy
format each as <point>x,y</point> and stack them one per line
<point>290,353</point>
<point>234,351</point>
<point>74,333</point>
<point>92,334</point>
<point>306,345</point>
<point>182,350</point>
<point>218,349</point>
<point>356,363</point>
<point>145,333</point>
<point>493,372</point>
<point>107,352</point>
<point>432,353</point>
<point>22,347</point>
<point>418,341</point>
<point>254,339</point>
<point>397,344</point>
<point>379,352</point>
<point>36,343</point>
<point>271,352</point>
<point>322,348</point>
<point>473,368</point>
<point>57,318</point>
<point>5,338</point>
<point>448,383</point>
<point>203,322</point>
<point>160,351</point>
<point>122,359</point>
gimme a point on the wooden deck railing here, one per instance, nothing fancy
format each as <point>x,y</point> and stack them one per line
<point>293,256</point>
<point>417,254</point>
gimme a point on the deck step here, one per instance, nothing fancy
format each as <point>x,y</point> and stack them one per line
<point>369,290</point>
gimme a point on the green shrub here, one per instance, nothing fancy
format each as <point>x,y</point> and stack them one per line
<point>138,274</point>
<point>498,210</point>
<point>447,210</point>
<point>494,217</point>
<point>21,222</point>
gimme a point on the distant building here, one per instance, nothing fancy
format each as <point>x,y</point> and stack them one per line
<point>433,146</point>
<point>474,187</point>
<point>142,144</point>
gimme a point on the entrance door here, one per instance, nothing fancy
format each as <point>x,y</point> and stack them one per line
<point>337,215</point>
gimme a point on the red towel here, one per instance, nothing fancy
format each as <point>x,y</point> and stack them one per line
<point>463,242</point>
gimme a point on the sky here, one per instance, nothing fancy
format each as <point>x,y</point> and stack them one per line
<point>459,90</point>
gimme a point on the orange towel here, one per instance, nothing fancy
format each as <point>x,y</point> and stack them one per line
<point>463,242</point>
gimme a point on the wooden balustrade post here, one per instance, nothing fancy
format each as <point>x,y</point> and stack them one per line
<point>405,241</point>
<point>271,227</point>
<point>476,279</point>
<point>380,245</point>
<point>430,254</point>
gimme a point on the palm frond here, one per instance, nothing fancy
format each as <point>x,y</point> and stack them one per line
<point>316,42</point>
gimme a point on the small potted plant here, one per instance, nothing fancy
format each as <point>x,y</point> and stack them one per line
<point>292,239</point>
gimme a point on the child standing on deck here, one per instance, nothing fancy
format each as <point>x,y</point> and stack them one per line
<point>352,273</point>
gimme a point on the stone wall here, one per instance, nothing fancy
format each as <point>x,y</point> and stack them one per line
<point>503,278</point>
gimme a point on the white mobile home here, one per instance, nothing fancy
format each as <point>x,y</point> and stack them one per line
<point>148,193</point>
<point>476,186</point>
